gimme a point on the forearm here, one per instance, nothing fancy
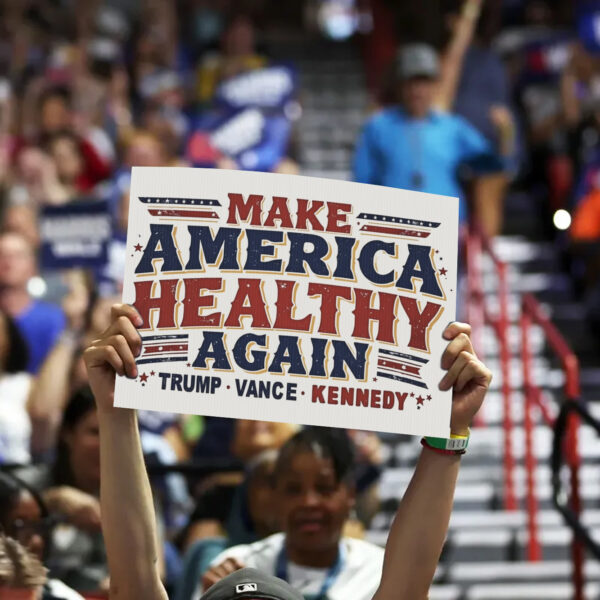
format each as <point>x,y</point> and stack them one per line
<point>54,498</point>
<point>50,393</point>
<point>454,54</point>
<point>419,529</point>
<point>507,141</point>
<point>570,102</point>
<point>127,511</point>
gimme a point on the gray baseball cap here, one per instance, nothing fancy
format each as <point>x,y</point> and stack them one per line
<point>417,60</point>
<point>252,585</point>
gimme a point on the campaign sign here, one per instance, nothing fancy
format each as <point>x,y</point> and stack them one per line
<point>75,234</point>
<point>257,141</point>
<point>269,88</point>
<point>288,298</point>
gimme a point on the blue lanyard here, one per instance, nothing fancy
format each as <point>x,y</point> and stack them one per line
<point>332,574</point>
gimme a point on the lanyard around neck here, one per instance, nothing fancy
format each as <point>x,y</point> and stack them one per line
<point>332,573</point>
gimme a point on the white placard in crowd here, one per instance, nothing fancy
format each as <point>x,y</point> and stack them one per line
<point>293,299</point>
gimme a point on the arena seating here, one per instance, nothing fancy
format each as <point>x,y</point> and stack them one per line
<point>485,542</point>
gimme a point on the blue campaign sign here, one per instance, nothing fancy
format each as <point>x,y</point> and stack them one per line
<point>269,88</point>
<point>588,26</point>
<point>75,235</point>
<point>546,59</point>
<point>256,140</point>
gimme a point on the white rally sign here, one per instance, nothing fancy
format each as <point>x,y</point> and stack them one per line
<point>293,299</point>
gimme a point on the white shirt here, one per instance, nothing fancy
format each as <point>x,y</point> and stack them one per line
<point>58,589</point>
<point>15,425</point>
<point>358,579</point>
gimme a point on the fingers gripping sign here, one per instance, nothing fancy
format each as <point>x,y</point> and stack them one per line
<point>114,352</point>
<point>465,374</point>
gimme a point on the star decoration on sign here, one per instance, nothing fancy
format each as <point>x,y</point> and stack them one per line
<point>412,395</point>
<point>420,400</point>
<point>374,378</point>
<point>152,373</point>
<point>428,397</point>
<point>443,272</point>
<point>138,247</point>
<point>143,377</point>
<point>188,365</point>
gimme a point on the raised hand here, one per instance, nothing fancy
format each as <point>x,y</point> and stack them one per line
<point>113,353</point>
<point>466,374</point>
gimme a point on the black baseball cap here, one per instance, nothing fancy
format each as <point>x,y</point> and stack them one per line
<point>417,60</point>
<point>251,583</point>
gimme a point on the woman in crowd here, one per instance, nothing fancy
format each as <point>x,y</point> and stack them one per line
<point>316,497</point>
<point>15,389</point>
<point>70,488</point>
<point>250,511</point>
<point>24,415</point>
<point>23,518</point>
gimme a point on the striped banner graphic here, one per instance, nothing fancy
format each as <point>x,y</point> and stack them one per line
<point>387,225</point>
<point>163,348</point>
<point>401,367</point>
<point>183,208</point>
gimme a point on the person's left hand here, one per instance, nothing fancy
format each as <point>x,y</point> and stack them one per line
<point>467,375</point>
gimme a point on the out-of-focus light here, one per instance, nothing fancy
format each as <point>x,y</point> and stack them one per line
<point>562,219</point>
<point>338,18</point>
<point>37,287</point>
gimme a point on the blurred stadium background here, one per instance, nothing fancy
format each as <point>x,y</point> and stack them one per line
<point>89,89</point>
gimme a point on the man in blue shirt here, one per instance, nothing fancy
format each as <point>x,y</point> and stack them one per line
<point>40,323</point>
<point>412,146</point>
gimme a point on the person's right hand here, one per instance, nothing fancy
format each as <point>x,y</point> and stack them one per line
<point>220,571</point>
<point>113,352</point>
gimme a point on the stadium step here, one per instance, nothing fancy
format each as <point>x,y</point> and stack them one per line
<point>528,591</point>
<point>511,572</point>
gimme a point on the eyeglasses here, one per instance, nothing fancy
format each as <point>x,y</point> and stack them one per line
<point>23,531</point>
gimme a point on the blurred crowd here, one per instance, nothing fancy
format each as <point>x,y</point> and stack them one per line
<point>499,96</point>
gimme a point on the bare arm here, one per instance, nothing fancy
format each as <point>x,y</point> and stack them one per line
<point>419,529</point>
<point>50,393</point>
<point>453,56</point>
<point>570,102</point>
<point>79,508</point>
<point>127,511</point>
<point>504,123</point>
<point>54,384</point>
<point>417,535</point>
